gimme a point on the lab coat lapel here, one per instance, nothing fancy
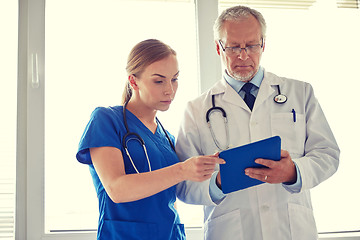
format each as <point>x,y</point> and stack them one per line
<point>232,97</point>
<point>266,89</point>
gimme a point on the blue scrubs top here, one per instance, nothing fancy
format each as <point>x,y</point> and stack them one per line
<point>153,217</point>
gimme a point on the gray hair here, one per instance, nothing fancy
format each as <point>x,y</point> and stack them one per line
<point>238,13</point>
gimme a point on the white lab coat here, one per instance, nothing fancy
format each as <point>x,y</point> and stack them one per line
<point>266,211</point>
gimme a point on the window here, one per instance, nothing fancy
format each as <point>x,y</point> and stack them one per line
<point>8,61</point>
<point>348,3</point>
<point>85,61</point>
<point>313,45</point>
<point>86,51</point>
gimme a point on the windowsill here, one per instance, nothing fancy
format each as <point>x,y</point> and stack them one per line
<point>352,235</point>
<point>192,233</point>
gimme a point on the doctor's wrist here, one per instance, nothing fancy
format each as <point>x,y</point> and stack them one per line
<point>218,181</point>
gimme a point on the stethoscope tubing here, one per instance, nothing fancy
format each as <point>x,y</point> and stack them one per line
<point>126,138</point>
<point>279,98</point>
<point>208,113</point>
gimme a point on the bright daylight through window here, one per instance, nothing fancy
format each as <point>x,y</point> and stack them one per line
<point>86,55</point>
<point>301,37</point>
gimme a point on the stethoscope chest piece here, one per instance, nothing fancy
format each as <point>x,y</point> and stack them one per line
<point>280,98</point>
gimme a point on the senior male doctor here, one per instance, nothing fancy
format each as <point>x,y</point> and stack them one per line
<point>258,104</point>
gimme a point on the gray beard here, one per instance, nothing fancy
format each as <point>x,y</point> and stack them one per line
<point>246,78</point>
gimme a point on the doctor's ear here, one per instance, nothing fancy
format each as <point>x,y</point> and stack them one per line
<point>132,81</point>
<point>217,47</point>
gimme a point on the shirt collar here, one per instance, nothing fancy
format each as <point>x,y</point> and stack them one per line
<point>237,85</point>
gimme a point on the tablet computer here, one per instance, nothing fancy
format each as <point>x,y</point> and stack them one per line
<point>237,159</point>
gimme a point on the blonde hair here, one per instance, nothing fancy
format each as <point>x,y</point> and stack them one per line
<point>142,55</point>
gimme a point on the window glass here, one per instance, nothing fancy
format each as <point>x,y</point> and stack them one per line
<point>8,61</point>
<point>316,45</point>
<point>87,44</point>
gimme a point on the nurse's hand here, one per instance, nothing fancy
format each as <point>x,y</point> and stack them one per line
<point>200,168</point>
<point>283,171</point>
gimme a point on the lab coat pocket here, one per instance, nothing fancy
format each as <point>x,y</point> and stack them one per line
<point>227,226</point>
<point>114,230</point>
<point>302,223</point>
<point>291,128</point>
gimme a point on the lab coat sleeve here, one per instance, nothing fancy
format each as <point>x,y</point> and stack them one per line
<point>321,158</point>
<point>188,144</point>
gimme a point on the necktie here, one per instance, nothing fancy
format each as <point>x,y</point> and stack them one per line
<point>249,98</point>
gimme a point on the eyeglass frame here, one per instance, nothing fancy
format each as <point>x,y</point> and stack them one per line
<point>239,49</point>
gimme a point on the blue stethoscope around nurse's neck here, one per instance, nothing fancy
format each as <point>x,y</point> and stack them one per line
<point>134,136</point>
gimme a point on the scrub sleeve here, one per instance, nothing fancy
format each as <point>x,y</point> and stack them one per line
<point>153,217</point>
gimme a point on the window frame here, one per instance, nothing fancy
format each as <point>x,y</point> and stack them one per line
<point>30,122</point>
<point>30,160</point>
<point>29,217</point>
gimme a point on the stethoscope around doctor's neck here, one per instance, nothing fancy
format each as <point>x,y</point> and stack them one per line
<point>134,136</point>
<point>279,98</point>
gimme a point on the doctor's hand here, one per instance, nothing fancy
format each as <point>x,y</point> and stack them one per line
<point>200,168</point>
<point>283,171</point>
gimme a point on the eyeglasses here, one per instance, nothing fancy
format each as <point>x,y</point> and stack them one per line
<point>251,49</point>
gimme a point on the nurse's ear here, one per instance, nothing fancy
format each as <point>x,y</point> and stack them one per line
<point>132,81</point>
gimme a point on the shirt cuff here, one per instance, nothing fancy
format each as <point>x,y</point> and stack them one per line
<point>215,192</point>
<point>296,187</point>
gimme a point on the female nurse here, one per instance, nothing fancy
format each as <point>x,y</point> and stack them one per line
<point>136,187</point>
